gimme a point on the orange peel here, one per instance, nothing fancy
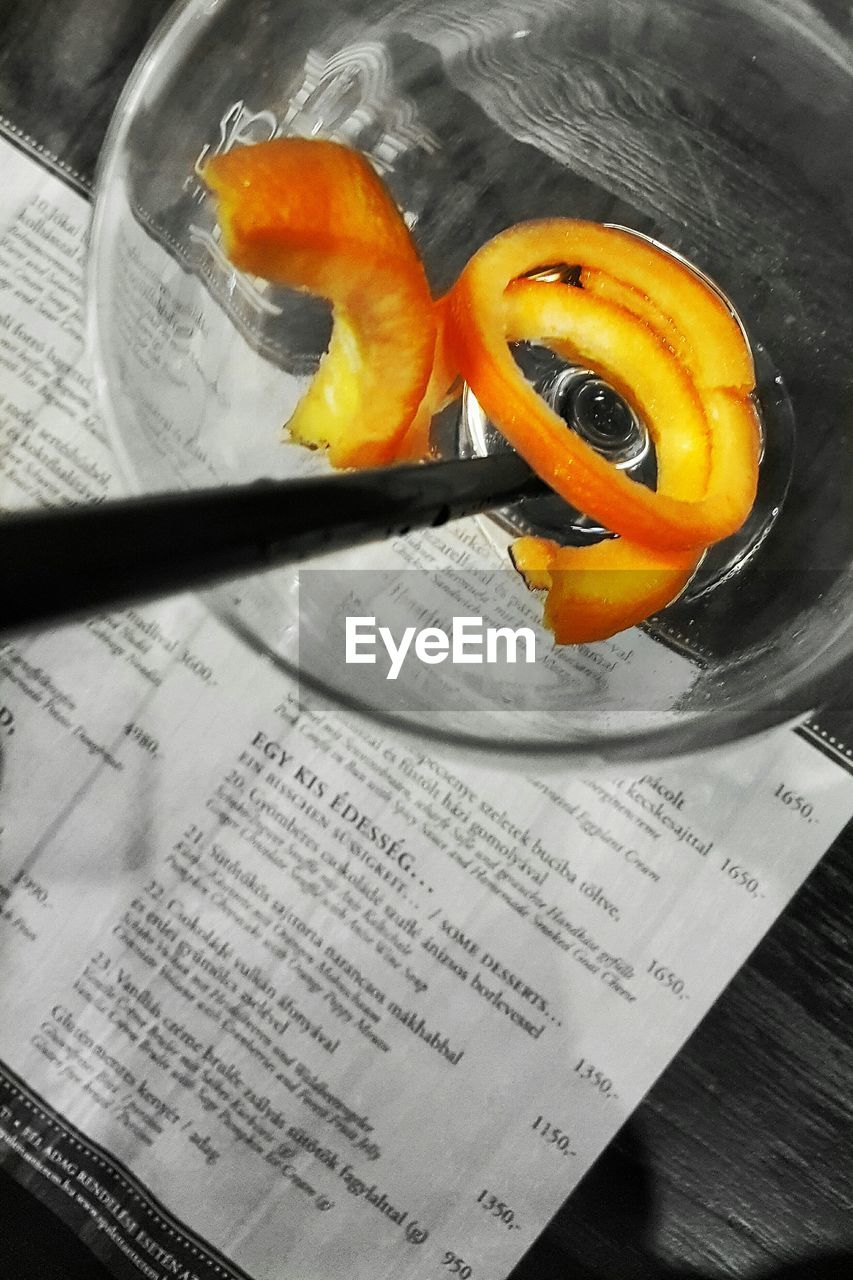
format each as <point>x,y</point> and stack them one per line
<point>313,215</point>
<point>714,354</point>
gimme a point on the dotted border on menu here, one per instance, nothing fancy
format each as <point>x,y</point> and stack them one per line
<point>45,156</point>
<point>834,746</point>
<point>685,646</point>
<point>110,1166</point>
<point>837,745</point>
<point>828,744</point>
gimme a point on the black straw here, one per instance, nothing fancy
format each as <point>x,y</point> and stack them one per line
<point>77,561</point>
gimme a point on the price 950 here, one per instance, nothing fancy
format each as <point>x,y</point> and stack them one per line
<point>457,1266</point>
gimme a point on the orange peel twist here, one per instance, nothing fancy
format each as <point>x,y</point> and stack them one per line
<point>313,215</point>
<point>712,350</point>
<point>666,342</point>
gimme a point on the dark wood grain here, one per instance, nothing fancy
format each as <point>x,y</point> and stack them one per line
<point>63,64</point>
<point>740,1161</point>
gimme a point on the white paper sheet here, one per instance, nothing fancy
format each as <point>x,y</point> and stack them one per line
<point>342,1004</point>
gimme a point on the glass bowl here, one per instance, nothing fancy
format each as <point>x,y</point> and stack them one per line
<point>718,129</point>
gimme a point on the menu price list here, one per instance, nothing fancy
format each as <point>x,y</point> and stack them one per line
<point>326,994</point>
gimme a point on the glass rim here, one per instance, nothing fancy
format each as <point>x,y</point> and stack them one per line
<point>768,708</point>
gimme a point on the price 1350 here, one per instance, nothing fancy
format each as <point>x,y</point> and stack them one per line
<point>585,1069</point>
<point>497,1209</point>
<point>142,738</point>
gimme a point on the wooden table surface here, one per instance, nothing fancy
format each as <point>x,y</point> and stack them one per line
<point>740,1161</point>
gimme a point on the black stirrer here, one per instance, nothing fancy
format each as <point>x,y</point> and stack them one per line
<point>75,561</point>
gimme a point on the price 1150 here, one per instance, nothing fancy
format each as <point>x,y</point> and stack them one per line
<point>557,1138</point>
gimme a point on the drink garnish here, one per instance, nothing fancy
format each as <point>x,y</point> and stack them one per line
<point>314,215</point>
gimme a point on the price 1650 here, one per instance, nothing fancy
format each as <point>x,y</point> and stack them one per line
<point>799,804</point>
<point>663,974</point>
<point>741,876</point>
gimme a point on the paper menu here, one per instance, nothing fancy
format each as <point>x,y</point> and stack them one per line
<point>332,999</point>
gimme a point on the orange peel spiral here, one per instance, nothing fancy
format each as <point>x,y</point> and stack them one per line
<point>314,215</point>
